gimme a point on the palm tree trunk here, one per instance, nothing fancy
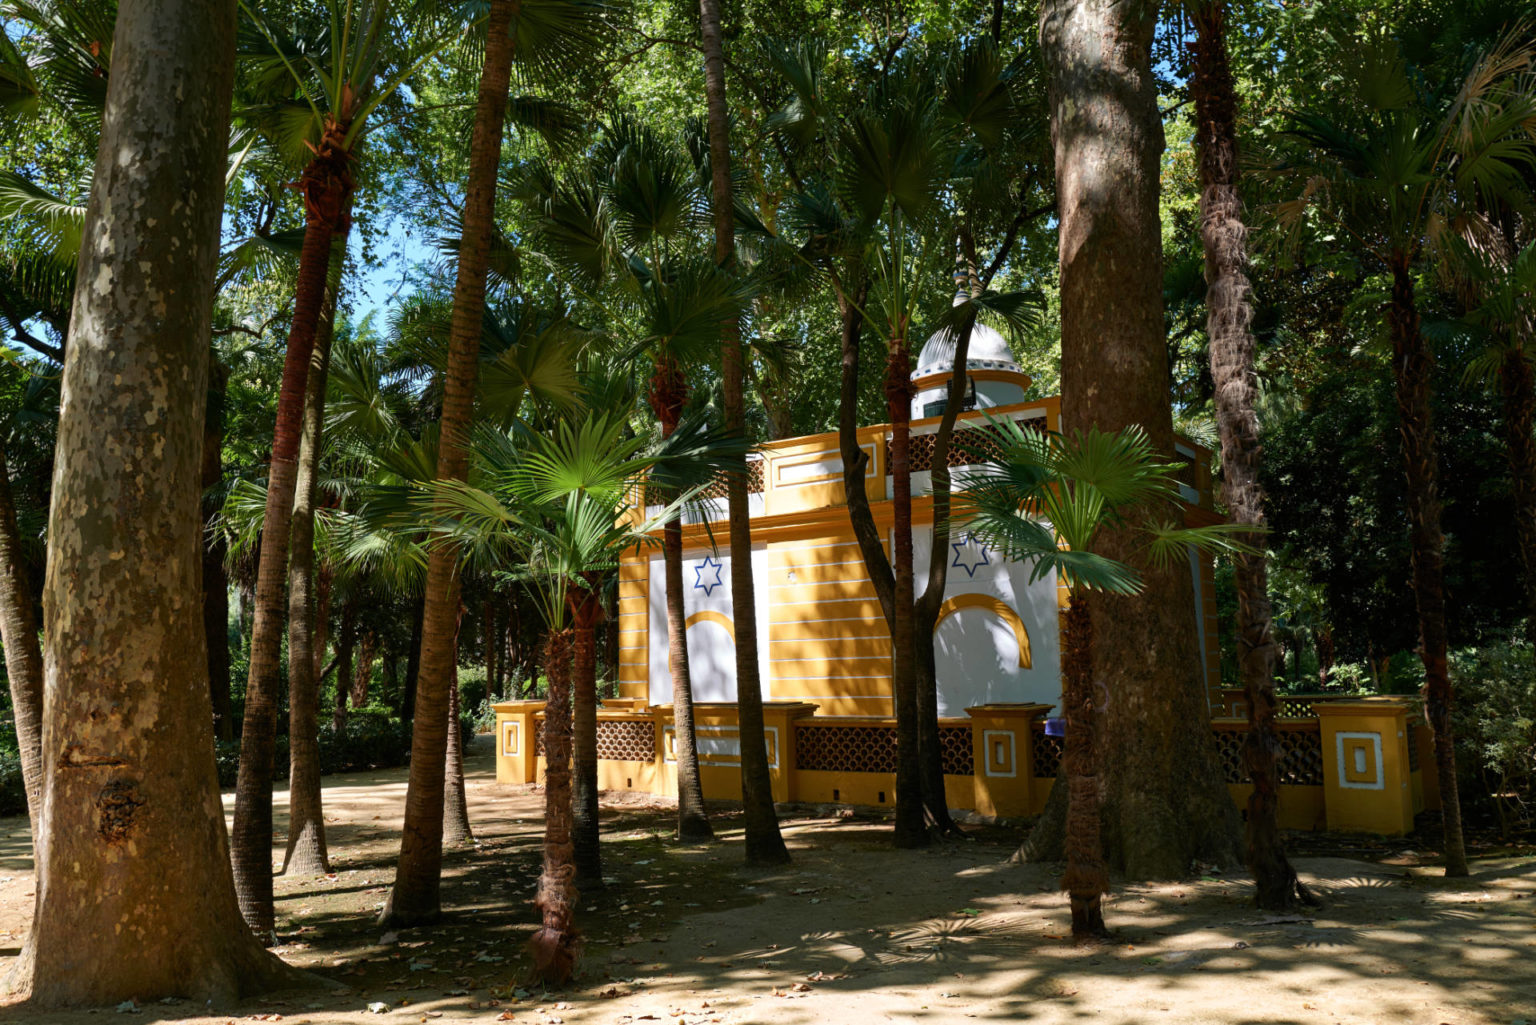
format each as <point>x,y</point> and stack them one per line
<point>327,187</point>
<point>367,655</point>
<point>456,827</point>
<point>910,830</point>
<point>1413,367</point>
<point>346,646</point>
<point>134,896</point>
<point>1232,351</point>
<point>488,643</point>
<point>416,894</point>
<point>215,579</point>
<point>556,944</point>
<point>584,813</point>
<point>764,843</point>
<point>412,664</point>
<point>668,392</point>
<point>1517,394</point>
<point>23,652</point>
<point>306,853</point>
<point>1086,879</point>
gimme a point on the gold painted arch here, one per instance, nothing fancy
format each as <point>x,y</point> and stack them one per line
<point>711,616</point>
<point>993,605</point>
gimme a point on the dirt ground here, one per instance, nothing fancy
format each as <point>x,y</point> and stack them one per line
<point>855,932</point>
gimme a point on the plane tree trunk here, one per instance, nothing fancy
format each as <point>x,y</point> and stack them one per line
<point>128,735</point>
<point>215,578</point>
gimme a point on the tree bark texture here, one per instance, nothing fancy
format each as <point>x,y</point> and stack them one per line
<point>1165,802</point>
<point>418,875</point>
<point>1517,397</point>
<point>362,679</point>
<point>326,185</point>
<point>23,650</point>
<point>556,945</point>
<point>456,827</point>
<point>910,830</point>
<point>764,843</point>
<point>669,391</point>
<point>584,813</point>
<point>877,563</point>
<point>306,853</point>
<point>1229,318</point>
<point>130,786</point>
<point>346,649</point>
<point>1413,371</point>
<point>215,577</point>
<point>1086,878</point>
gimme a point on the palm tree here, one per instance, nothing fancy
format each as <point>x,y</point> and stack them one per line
<point>1232,349</point>
<point>628,221</point>
<point>557,507</point>
<point>1050,499</point>
<point>1393,170</point>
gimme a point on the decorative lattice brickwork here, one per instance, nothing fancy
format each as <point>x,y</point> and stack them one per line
<point>845,748</point>
<point>1301,757</point>
<point>955,751</point>
<point>967,446</point>
<point>626,741</point>
<point>1047,754</point>
<point>658,496</point>
<point>1413,745</point>
<point>538,738</point>
<point>1296,708</point>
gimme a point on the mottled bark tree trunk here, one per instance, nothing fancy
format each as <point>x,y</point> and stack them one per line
<point>326,185</point>
<point>1232,349</point>
<point>215,578</point>
<point>416,896</point>
<point>764,843</point>
<point>128,736</point>
<point>1164,799</point>
<point>23,651</point>
<point>1413,370</point>
<point>556,944</point>
<point>456,827</point>
<point>668,393</point>
<point>306,853</point>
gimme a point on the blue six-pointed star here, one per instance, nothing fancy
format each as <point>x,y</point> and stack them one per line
<point>969,554</point>
<point>709,565</point>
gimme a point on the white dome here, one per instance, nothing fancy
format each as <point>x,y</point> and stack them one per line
<point>988,351</point>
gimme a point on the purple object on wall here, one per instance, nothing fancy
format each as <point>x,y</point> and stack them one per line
<point>1056,727</point>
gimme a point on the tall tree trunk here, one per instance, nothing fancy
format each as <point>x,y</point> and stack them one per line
<point>557,944</point>
<point>306,853</point>
<point>215,579</point>
<point>346,646</point>
<point>855,460</point>
<point>488,642</point>
<point>1517,395</point>
<point>412,663</point>
<point>131,789</point>
<point>1413,368</point>
<point>668,392</point>
<point>23,652</point>
<point>586,613</point>
<point>326,185</point>
<point>1232,350</point>
<point>764,843</point>
<point>456,827</point>
<point>1086,879</point>
<point>1165,801</point>
<point>368,653</point>
<point>418,876</point>
<point>910,830</point>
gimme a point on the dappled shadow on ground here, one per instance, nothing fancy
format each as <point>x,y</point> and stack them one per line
<point>857,932</point>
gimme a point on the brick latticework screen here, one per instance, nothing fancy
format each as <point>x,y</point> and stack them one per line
<point>1301,757</point>
<point>956,752</point>
<point>1413,746</point>
<point>845,748</point>
<point>620,741</point>
<point>657,496</point>
<point>1047,754</point>
<point>967,446</point>
<point>617,740</point>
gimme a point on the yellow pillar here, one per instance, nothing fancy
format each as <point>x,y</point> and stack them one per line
<point>1366,786</point>
<point>1002,746</point>
<point>515,761</point>
<point>779,733</point>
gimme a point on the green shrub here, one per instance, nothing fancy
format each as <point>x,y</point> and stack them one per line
<point>1495,724</point>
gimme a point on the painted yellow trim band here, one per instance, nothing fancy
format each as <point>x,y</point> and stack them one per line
<point>998,609</point>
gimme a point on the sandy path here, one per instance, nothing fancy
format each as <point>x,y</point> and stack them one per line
<point>855,932</point>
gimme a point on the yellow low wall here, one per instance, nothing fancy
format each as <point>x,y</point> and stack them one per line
<point>1361,765</point>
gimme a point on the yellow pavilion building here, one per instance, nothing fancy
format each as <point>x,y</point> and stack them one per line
<point>825,653</point>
